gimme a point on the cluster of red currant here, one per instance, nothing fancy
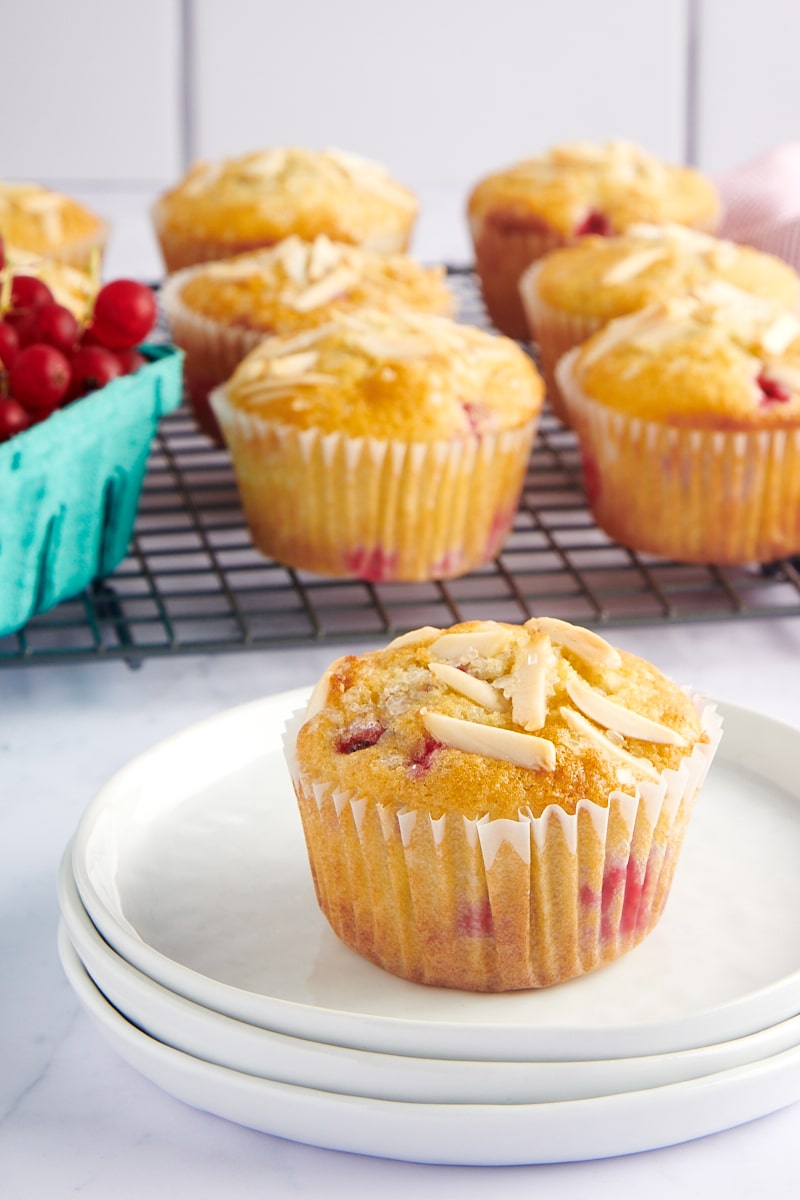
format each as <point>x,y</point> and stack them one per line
<point>47,359</point>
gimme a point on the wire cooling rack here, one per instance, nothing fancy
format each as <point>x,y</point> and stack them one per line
<point>193,583</point>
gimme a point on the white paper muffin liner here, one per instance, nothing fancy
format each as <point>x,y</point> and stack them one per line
<point>497,905</point>
<point>213,349</point>
<point>375,509</point>
<point>554,332</point>
<point>696,495</point>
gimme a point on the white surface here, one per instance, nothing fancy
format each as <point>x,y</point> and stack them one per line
<point>461,1134</point>
<point>192,865</point>
<point>741,39</point>
<point>215,1038</point>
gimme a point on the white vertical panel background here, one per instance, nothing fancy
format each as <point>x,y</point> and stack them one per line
<point>748,96</point>
<point>111,100</point>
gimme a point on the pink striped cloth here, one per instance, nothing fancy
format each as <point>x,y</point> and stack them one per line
<point>761,202</point>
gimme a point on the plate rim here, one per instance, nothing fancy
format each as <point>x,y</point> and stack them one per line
<point>481,1134</point>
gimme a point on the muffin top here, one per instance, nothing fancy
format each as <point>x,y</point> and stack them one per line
<point>40,221</point>
<point>297,285</point>
<point>268,195</point>
<point>717,358</point>
<point>488,719</point>
<point>75,289</point>
<point>411,376</point>
<point>609,277</point>
<point>582,188</point>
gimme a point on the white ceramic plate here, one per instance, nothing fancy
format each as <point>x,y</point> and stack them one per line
<point>468,1134</point>
<point>218,1039</point>
<point>192,865</point>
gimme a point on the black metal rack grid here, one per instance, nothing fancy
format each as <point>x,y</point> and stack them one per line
<point>193,583</point>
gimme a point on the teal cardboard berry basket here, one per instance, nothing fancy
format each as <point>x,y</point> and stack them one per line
<point>69,488</point>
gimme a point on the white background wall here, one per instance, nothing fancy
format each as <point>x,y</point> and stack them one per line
<point>110,99</point>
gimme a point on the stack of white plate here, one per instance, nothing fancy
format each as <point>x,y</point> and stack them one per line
<point>191,934</point>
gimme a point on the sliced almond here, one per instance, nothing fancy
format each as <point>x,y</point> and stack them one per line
<point>293,254</point>
<point>483,642</point>
<point>468,685</point>
<point>579,724</point>
<point>276,347</point>
<point>416,637</point>
<point>521,749</point>
<point>780,334</point>
<point>380,345</point>
<point>529,686</point>
<point>613,716</point>
<point>325,289</point>
<point>632,265</point>
<point>584,642</point>
<point>294,364</point>
<point>324,256</point>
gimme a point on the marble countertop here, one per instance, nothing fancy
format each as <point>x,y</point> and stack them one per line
<point>75,1119</point>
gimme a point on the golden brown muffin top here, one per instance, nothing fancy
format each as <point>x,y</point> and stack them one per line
<point>406,375</point>
<point>609,277</point>
<point>487,718</point>
<point>41,221</point>
<point>76,290</point>
<point>271,194</point>
<point>297,285</point>
<point>581,188</point>
<point>718,358</point>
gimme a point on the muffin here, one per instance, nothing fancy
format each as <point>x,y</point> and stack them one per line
<point>73,288</point>
<point>227,208</point>
<point>688,414</point>
<point>494,807</point>
<point>575,291</point>
<point>220,311</point>
<point>518,215</point>
<point>381,446</point>
<point>49,225</point>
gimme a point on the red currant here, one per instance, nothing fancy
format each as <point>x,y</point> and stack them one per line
<point>9,344</point>
<point>131,361</point>
<point>52,324</point>
<point>27,291</point>
<point>39,378</point>
<point>13,418</point>
<point>124,314</point>
<point>92,368</point>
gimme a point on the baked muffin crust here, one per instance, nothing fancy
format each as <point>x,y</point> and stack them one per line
<point>264,196</point>
<point>43,222</point>
<point>717,358</point>
<point>410,376</point>
<point>488,719</point>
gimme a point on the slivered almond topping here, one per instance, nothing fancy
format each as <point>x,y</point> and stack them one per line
<point>579,724</point>
<point>781,333</point>
<point>416,637</point>
<point>529,686</point>
<point>631,266</point>
<point>613,716</point>
<point>468,685</point>
<point>277,347</point>
<point>323,256</point>
<point>293,254</point>
<point>324,290</point>
<point>581,641</point>
<point>294,364</point>
<point>482,643</point>
<point>521,749</point>
<point>379,345</point>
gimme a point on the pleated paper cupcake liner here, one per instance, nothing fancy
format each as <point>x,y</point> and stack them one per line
<point>696,495</point>
<point>554,333</point>
<point>501,257</point>
<point>372,509</point>
<point>213,349</point>
<point>497,905</point>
